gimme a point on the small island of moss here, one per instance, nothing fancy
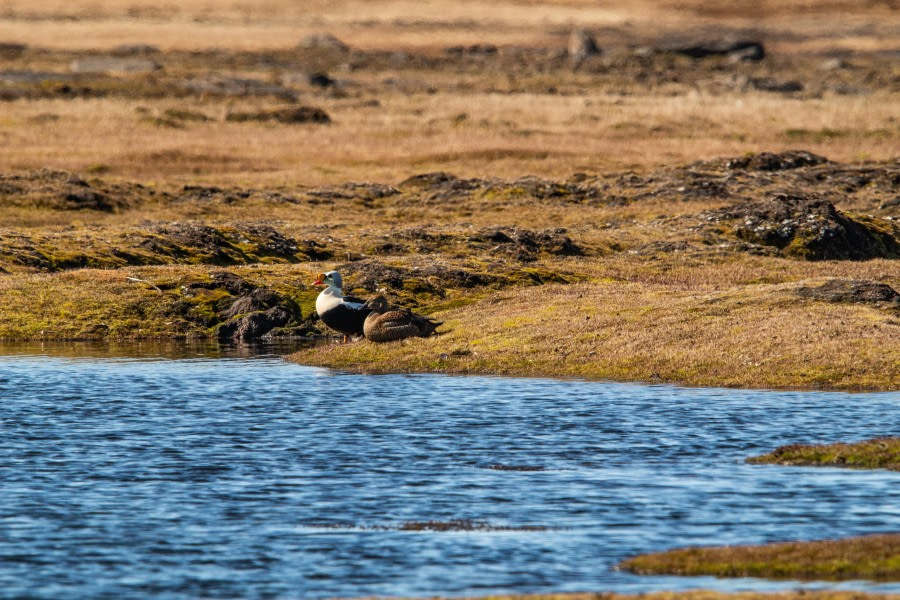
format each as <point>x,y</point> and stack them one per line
<point>877,453</point>
<point>874,557</point>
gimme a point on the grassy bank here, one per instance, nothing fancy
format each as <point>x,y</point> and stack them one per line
<point>877,453</point>
<point>748,335</point>
<point>875,557</point>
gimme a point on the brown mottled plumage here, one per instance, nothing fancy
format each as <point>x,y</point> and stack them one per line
<point>386,324</point>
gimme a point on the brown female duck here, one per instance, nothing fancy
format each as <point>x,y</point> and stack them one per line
<point>387,324</point>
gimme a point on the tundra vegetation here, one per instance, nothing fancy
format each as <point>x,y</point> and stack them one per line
<point>873,557</point>
<point>877,453</point>
<point>687,192</point>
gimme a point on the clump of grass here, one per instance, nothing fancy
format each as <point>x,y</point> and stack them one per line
<point>875,557</point>
<point>877,453</point>
<point>753,336</point>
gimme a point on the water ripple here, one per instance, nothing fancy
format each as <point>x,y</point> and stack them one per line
<point>236,477</point>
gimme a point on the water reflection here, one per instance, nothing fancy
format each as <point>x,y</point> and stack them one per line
<point>153,349</point>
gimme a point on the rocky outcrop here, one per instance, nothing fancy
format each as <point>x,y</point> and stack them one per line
<point>239,310</point>
<point>809,228</point>
<point>781,161</point>
<point>255,314</point>
<point>289,115</point>
<point>852,290</point>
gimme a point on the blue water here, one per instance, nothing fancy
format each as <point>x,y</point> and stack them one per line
<point>227,476</point>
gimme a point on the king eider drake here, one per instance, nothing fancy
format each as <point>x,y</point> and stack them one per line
<point>386,324</point>
<point>344,314</point>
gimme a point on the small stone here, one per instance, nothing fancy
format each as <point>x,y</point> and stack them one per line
<point>323,41</point>
<point>112,64</point>
<point>581,46</point>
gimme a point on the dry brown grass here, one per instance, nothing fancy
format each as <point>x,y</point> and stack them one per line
<point>500,135</point>
<point>747,336</point>
<point>407,23</point>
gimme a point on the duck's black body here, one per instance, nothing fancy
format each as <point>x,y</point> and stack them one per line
<point>344,314</point>
<point>346,317</point>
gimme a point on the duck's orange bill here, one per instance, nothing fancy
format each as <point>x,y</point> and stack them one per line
<point>319,279</point>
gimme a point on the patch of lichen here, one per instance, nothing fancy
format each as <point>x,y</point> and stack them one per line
<point>885,233</point>
<point>875,557</point>
<point>878,453</point>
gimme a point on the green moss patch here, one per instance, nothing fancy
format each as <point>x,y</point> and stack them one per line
<point>875,557</point>
<point>878,453</point>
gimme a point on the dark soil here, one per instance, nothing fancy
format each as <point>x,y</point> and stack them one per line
<point>844,290</point>
<point>290,116</point>
<point>63,190</point>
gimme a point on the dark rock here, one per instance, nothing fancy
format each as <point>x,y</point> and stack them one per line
<point>441,187</point>
<point>809,228</point>
<point>57,190</point>
<point>428,180</point>
<point>233,284</point>
<point>473,50</point>
<point>180,114</point>
<point>258,300</point>
<point>354,190</point>
<point>314,250</point>
<point>847,290</point>
<point>293,115</point>
<point>524,244</point>
<point>12,50</point>
<point>87,200</point>
<point>582,46</point>
<point>321,80</point>
<point>735,50</point>
<point>747,51</point>
<point>254,325</point>
<point>269,241</point>
<point>767,84</point>
<point>782,161</point>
